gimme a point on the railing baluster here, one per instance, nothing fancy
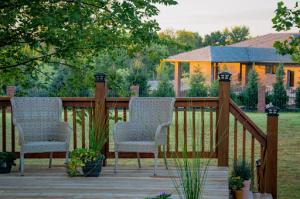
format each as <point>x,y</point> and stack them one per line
<point>185,129</point>
<point>244,143</point>
<point>194,128</point>
<point>252,153</point>
<point>90,122</point>
<point>235,141</point>
<point>168,139</point>
<point>176,129</point>
<point>124,115</point>
<point>202,129</point>
<point>83,127</point>
<point>116,115</point>
<point>74,128</point>
<point>13,135</point>
<point>65,114</point>
<point>217,124</point>
<point>3,128</point>
<point>211,129</point>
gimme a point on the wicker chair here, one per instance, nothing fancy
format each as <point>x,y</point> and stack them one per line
<point>38,120</point>
<point>147,128</point>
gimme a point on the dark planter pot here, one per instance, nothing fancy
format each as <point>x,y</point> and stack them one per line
<point>5,167</point>
<point>92,168</point>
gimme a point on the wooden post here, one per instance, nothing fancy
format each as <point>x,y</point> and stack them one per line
<point>101,114</point>
<point>271,152</point>
<point>177,78</point>
<point>223,127</point>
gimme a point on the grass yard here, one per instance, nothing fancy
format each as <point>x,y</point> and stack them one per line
<point>289,141</point>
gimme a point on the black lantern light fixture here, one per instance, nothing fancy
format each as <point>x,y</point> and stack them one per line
<point>271,110</point>
<point>100,77</point>
<point>225,76</point>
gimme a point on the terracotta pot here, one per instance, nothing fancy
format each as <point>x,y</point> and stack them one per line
<point>246,188</point>
<point>238,194</point>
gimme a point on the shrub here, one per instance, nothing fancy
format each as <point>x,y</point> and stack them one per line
<point>164,89</point>
<point>214,89</point>
<point>138,77</point>
<point>279,97</point>
<point>298,97</point>
<point>250,94</point>
<point>242,169</point>
<point>236,183</point>
<point>116,82</point>
<point>197,86</point>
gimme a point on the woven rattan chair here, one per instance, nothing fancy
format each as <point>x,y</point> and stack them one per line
<point>38,121</point>
<point>147,128</point>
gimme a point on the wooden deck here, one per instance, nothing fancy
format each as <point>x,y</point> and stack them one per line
<point>129,182</point>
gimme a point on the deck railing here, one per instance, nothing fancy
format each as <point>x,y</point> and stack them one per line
<point>215,124</point>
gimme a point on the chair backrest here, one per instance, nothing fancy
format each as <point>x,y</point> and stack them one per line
<point>39,109</point>
<point>155,110</point>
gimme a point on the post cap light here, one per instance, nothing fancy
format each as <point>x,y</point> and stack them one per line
<point>272,110</point>
<point>225,76</point>
<point>100,77</point>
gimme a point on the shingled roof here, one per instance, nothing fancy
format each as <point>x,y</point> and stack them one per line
<point>259,49</point>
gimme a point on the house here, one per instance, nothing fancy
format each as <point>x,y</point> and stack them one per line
<point>239,58</point>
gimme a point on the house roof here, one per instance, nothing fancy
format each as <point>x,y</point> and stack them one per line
<point>258,49</point>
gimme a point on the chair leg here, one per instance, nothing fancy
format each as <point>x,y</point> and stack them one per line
<point>116,161</point>
<point>22,163</point>
<point>155,162</point>
<point>50,159</point>
<point>67,157</point>
<point>139,160</point>
<point>165,156</point>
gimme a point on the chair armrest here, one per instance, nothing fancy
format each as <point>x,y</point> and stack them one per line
<point>21,133</point>
<point>126,131</point>
<point>159,131</point>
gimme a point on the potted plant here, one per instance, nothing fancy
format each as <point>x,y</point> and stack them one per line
<point>236,185</point>
<point>90,160</point>
<point>7,160</point>
<point>243,170</point>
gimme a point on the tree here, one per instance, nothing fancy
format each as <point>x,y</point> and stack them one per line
<point>190,39</point>
<point>239,33</point>
<point>279,97</point>
<point>197,85</point>
<point>250,95</point>
<point>51,31</point>
<point>165,87</point>
<point>138,77</point>
<point>284,20</point>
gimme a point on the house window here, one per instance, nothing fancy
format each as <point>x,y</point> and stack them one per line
<point>270,69</point>
<point>290,78</point>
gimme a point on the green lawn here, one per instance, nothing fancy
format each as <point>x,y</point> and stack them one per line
<point>289,141</point>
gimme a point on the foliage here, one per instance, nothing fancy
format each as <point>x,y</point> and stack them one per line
<point>284,20</point>
<point>117,84</point>
<point>162,195</point>
<point>298,97</point>
<point>138,77</point>
<point>279,97</point>
<point>198,87</point>
<point>7,157</point>
<point>67,29</point>
<point>79,158</point>
<point>242,169</point>
<point>192,174</point>
<point>214,89</point>
<point>250,94</point>
<point>236,183</point>
<point>165,86</point>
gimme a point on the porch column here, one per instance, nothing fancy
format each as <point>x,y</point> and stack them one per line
<point>177,78</point>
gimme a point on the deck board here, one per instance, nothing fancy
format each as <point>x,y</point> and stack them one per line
<point>129,182</point>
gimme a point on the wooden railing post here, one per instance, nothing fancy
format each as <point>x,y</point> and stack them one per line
<point>271,152</point>
<point>101,114</point>
<point>223,127</point>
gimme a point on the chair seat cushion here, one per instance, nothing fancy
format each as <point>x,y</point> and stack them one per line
<point>44,146</point>
<point>136,146</point>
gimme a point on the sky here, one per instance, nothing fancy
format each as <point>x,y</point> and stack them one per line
<point>205,16</point>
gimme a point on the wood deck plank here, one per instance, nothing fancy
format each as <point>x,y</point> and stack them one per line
<point>129,182</point>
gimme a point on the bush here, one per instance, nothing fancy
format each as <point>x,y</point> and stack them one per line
<point>197,86</point>
<point>298,97</point>
<point>279,97</point>
<point>164,89</point>
<point>138,77</point>
<point>214,89</point>
<point>242,169</point>
<point>250,94</point>
<point>116,82</point>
